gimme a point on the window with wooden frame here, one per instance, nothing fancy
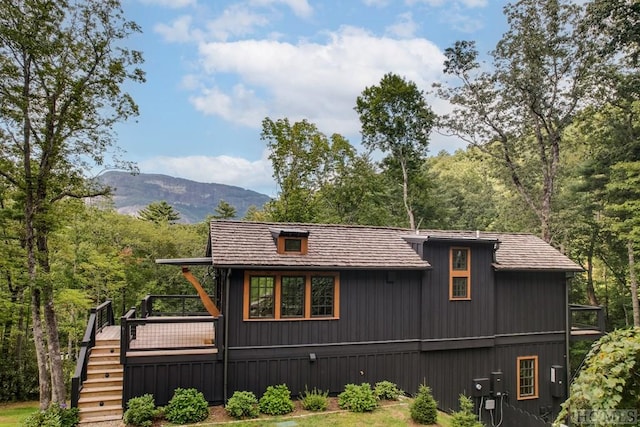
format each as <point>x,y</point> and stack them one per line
<point>459,273</point>
<point>291,241</point>
<point>527,367</point>
<point>291,295</point>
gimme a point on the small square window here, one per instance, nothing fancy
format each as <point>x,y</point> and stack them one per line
<point>459,259</point>
<point>459,287</point>
<point>293,245</point>
<point>527,377</point>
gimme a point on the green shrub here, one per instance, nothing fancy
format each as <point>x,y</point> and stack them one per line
<point>466,416</point>
<point>243,404</point>
<point>54,416</point>
<point>187,405</point>
<point>358,398</point>
<point>276,400</point>
<point>314,400</point>
<point>141,411</point>
<point>424,408</point>
<point>386,390</point>
<point>609,378</point>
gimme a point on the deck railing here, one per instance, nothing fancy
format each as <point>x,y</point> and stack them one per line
<point>99,317</point>
<point>146,334</point>
<point>173,305</point>
<point>587,318</point>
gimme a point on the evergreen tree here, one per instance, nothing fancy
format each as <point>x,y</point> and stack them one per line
<point>159,213</point>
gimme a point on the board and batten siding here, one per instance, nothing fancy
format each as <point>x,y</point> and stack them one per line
<point>529,302</point>
<point>375,306</point>
<point>458,319</point>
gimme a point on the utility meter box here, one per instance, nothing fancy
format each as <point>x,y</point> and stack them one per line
<point>497,384</point>
<point>480,387</point>
<point>557,381</point>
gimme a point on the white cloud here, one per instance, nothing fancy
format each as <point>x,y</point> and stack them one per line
<point>316,81</point>
<point>173,4</point>
<point>405,27</point>
<point>474,3</point>
<point>178,31</point>
<point>255,175</point>
<point>236,20</point>
<point>300,8</point>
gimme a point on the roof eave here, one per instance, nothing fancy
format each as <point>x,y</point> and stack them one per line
<point>320,267</point>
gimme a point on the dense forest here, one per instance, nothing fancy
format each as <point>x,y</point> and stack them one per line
<point>550,118</point>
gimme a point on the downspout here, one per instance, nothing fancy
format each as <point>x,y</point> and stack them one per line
<point>225,369</point>
<point>567,337</point>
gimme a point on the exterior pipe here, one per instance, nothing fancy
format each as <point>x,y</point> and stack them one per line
<point>225,369</point>
<point>567,339</point>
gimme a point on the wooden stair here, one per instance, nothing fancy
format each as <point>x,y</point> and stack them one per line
<point>101,393</point>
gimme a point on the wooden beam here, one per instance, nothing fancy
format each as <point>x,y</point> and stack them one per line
<point>208,304</point>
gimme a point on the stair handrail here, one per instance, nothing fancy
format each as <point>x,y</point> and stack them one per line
<point>127,333</point>
<point>99,317</point>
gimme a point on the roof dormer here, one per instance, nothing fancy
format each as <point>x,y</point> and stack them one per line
<point>291,241</point>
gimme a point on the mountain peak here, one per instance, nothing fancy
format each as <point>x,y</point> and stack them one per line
<point>194,200</point>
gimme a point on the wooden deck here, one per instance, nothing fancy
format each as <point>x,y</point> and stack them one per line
<point>167,338</point>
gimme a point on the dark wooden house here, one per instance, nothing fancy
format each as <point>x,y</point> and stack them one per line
<point>310,305</point>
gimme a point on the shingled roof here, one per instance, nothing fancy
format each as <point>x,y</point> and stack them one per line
<point>252,244</point>
<point>516,251</point>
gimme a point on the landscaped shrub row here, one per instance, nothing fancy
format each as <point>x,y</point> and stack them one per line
<point>189,405</point>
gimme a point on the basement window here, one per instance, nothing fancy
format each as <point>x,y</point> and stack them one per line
<point>527,377</point>
<point>459,273</point>
<point>291,295</point>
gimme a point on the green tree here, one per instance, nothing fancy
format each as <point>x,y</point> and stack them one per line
<point>62,68</point>
<point>304,160</point>
<point>466,416</point>
<point>396,120</point>
<point>518,111</point>
<point>225,211</point>
<point>254,214</point>
<point>616,21</point>
<point>624,210</point>
<point>159,213</point>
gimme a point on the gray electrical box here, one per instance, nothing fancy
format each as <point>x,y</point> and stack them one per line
<point>497,383</point>
<point>480,387</point>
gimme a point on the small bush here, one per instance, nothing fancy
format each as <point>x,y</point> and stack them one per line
<point>386,390</point>
<point>187,405</point>
<point>424,408</point>
<point>314,400</point>
<point>141,411</point>
<point>358,398</point>
<point>276,400</point>
<point>243,404</point>
<point>466,416</point>
<point>54,416</point>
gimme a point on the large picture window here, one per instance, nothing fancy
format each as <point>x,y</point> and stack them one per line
<point>527,377</point>
<point>459,274</point>
<point>291,295</point>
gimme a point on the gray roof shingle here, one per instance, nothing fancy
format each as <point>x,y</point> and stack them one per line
<point>251,244</point>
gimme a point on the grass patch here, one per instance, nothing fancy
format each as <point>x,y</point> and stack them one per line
<point>12,414</point>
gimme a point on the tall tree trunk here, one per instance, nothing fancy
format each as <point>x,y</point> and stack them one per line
<point>405,194</point>
<point>41,352</point>
<point>57,377</point>
<point>633,283</point>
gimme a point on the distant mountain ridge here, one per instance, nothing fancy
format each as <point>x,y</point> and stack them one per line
<point>194,200</point>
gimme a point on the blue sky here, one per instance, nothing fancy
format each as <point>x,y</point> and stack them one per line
<point>215,69</point>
